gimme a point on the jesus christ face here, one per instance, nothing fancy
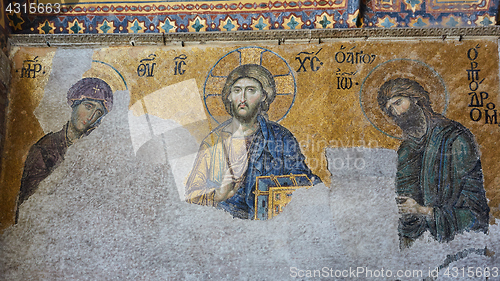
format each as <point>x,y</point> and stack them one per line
<point>245,97</point>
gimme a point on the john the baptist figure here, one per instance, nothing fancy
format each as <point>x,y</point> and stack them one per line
<point>439,178</point>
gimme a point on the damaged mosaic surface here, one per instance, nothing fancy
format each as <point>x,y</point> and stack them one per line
<point>387,148</point>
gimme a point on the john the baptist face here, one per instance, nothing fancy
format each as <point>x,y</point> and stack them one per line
<point>406,113</point>
<point>398,105</point>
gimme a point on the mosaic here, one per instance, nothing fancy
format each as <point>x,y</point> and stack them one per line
<point>282,77</point>
<point>429,13</point>
<point>52,17</point>
<point>353,147</point>
<point>188,16</point>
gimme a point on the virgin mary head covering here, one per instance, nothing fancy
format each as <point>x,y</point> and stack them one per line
<point>91,89</point>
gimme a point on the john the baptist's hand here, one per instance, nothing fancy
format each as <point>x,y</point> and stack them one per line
<point>410,206</point>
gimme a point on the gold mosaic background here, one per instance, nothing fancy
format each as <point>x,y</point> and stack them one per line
<point>322,115</point>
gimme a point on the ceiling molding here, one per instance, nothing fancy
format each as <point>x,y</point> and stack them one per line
<point>281,36</point>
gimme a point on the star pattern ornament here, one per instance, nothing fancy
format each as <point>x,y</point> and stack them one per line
<point>106,27</point>
<point>75,27</point>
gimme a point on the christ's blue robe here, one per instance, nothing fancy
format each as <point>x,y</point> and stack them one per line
<point>273,151</point>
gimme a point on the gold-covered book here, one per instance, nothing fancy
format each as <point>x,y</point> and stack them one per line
<point>273,193</point>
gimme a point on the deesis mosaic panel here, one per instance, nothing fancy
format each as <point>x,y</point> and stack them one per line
<point>348,147</point>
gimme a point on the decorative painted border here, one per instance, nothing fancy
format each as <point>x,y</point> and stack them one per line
<point>189,16</point>
<point>424,20</point>
<point>199,7</point>
<point>432,6</point>
<point>184,23</point>
<point>429,13</point>
<point>280,36</point>
<point>446,6</point>
<point>384,5</point>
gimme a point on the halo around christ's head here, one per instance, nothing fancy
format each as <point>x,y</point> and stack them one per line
<point>286,87</point>
<point>422,73</point>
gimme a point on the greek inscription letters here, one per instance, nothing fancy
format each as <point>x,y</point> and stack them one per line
<point>312,57</point>
<point>30,68</point>
<point>478,98</point>
<point>353,57</point>
<point>491,118</point>
<point>147,66</point>
<point>180,61</point>
<point>344,80</point>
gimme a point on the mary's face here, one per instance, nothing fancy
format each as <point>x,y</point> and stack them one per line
<point>85,114</point>
<point>245,97</point>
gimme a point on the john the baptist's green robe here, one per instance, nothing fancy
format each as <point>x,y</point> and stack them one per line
<point>442,170</point>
